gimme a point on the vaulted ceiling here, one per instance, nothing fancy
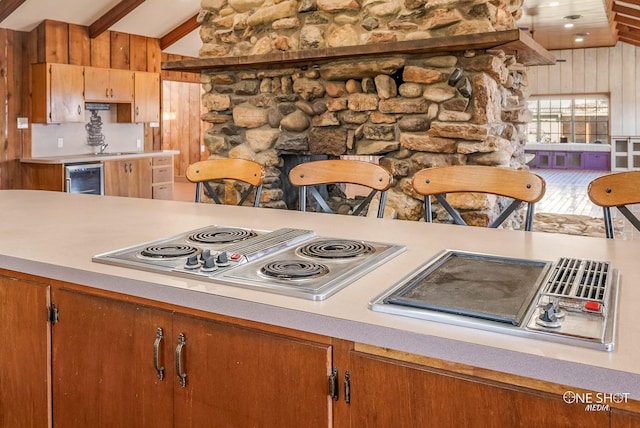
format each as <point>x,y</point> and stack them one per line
<point>596,22</point>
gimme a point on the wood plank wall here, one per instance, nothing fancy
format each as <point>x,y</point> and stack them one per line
<point>13,91</point>
<point>182,128</point>
<point>610,70</point>
<point>59,42</point>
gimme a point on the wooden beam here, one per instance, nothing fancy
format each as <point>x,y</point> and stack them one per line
<point>8,6</point>
<point>630,41</point>
<point>626,20</point>
<point>636,2</point>
<point>625,10</point>
<point>179,32</point>
<point>116,13</point>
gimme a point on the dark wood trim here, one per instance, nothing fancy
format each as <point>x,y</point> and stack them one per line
<point>116,13</point>
<point>513,42</point>
<point>627,20</point>
<point>625,10</point>
<point>630,41</point>
<point>636,2</point>
<point>179,32</point>
<point>8,6</point>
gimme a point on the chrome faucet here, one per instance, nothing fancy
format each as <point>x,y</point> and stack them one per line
<point>103,147</point>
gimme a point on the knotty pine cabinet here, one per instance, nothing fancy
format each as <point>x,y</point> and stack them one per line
<point>146,101</point>
<point>108,85</point>
<point>390,393</point>
<point>57,93</point>
<point>128,177</point>
<point>106,359</point>
<point>107,356</point>
<point>162,177</point>
<point>25,382</point>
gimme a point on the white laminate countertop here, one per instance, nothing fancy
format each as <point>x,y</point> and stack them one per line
<point>568,147</point>
<point>89,157</point>
<point>55,234</point>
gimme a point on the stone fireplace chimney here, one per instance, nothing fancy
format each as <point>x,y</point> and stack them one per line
<point>414,83</point>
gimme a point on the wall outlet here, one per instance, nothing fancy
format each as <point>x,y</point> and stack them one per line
<point>23,122</point>
<point>60,142</point>
<point>139,143</point>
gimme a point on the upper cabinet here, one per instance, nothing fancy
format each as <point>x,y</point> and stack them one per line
<point>146,104</point>
<point>108,85</point>
<point>57,93</point>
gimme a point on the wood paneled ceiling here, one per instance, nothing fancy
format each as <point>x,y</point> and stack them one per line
<point>597,22</point>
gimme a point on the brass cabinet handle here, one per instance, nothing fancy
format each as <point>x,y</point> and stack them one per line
<point>111,92</point>
<point>79,109</point>
<point>156,353</point>
<point>181,375</point>
<point>137,111</point>
<point>106,92</point>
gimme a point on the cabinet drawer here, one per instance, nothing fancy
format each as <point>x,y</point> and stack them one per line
<point>162,160</point>
<point>163,191</point>
<point>162,175</point>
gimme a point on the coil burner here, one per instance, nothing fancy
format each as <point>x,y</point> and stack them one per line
<point>336,249</point>
<point>293,269</point>
<point>221,235</point>
<point>167,252</point>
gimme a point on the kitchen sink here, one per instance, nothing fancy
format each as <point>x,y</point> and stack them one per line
<point>571,301</point>
<point>116,153</point>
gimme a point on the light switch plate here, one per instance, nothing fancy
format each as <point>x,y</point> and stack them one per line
<point>23,122</point>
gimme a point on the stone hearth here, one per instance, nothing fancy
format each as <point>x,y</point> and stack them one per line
<point>410,111</point>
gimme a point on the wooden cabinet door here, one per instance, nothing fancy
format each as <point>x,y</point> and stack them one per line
<point>25,381</point>
<point>237,377</point>
<point>623,419</point>
<point>108,85</point>
<point>128,177</point>
<point>121,86</point>
<point>147,97</point>
<point>96,84</point>
<point>386,393</point>
<point>57,93</point>
<point>104,363</point>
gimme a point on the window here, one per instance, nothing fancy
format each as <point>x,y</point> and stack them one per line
<point>569,119</point>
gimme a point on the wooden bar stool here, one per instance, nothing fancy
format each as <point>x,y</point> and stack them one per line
<point>521,186</point>
<point>203,172</point>
<point>310,174</point>
<point>616,190</point>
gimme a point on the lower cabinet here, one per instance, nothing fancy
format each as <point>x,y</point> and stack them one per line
<point>388,393</point>
<point>122,364</point>
<point>128,177</point>
<point>107,361</point>
<point>25,383</point>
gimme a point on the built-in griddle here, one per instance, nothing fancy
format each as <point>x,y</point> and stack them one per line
<point>488,287</point>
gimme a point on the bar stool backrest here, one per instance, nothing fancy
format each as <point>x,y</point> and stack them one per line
<point>521,186</point>
<point>616,190</point>
<point>203,172</point>
<point>310,174</point>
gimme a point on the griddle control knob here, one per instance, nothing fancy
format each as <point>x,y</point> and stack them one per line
<point>550,315</point>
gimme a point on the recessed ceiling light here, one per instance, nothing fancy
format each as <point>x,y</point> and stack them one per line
<point>568,25</point>
<point>554,4</point>
<point>572,17</point>
<point>579,39</point>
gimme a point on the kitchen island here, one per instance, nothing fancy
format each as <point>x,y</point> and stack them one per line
<point>52,236</point>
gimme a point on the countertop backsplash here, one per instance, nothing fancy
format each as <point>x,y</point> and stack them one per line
<point>121,137</point>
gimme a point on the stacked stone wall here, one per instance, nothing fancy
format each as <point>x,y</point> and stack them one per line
<point>412,112</point>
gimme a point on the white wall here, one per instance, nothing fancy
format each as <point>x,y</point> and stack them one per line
<point>612,70</point>
<point>121,137</point>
